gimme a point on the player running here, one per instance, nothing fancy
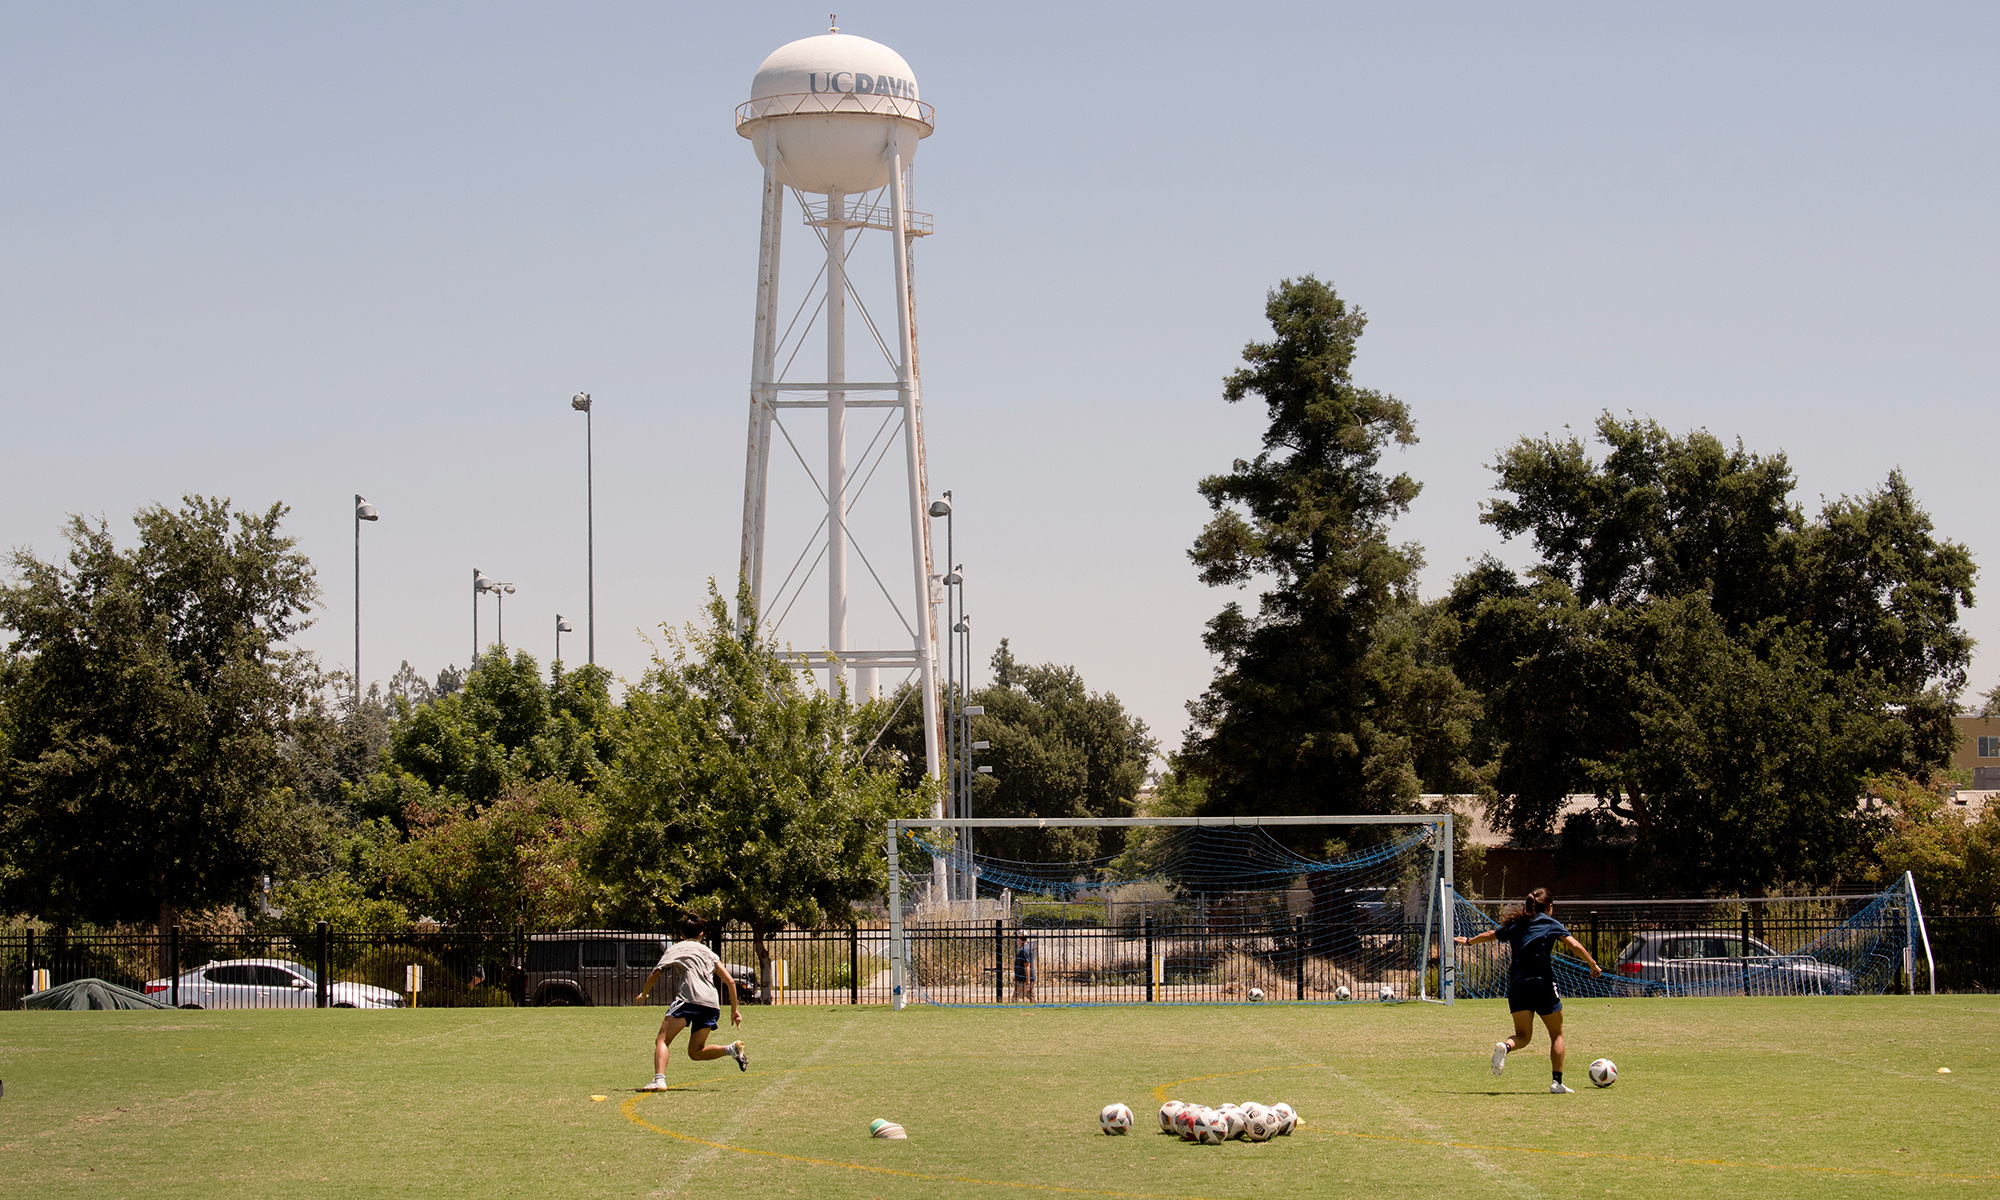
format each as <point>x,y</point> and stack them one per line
<point>1531,983</point>
<point>699,981</point>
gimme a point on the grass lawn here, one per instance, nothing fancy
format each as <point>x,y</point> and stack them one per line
<point>1726,1097</point>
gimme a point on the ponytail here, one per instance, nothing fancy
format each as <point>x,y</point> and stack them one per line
<point>1534,904</point>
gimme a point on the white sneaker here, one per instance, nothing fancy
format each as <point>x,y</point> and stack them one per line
<point>1557,1089</point>
<point>742,1056</point>
<point>1499,1057</point>
<point>659,1084</point>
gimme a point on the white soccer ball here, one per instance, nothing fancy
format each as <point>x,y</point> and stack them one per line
<point>1114,1119</point>
<point>1604,1072</point>
<point>1288,1118</point>
<point>1256,994</point>
<point>1387,992</point>
<point>1184,1121</point>
<point>1233,1115</point>
<point>1341,993</point>
<point>1168,1111</point>
<point>1210,1128</point>
<point>1260,1124</point>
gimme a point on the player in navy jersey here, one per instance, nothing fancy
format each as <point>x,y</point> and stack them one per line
<point>1531,984</point>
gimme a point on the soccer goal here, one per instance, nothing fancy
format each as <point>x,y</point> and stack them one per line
<point>1179,910</point>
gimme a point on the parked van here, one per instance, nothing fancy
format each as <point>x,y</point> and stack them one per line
<point>605,966</point>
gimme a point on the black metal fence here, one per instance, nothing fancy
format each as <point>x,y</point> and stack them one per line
<point>967,962</point>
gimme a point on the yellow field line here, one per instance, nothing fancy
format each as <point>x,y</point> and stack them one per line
<point>630,1107</point>
<point>1160,1093</point>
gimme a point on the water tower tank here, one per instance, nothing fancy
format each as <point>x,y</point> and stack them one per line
<point>829,104</point>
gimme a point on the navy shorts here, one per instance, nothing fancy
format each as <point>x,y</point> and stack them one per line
<point>698,1016</point>
<point>1537,996</point>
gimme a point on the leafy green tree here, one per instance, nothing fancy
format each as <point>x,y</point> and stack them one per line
<point>515,861</point>
<point>507,725</point>
<point>342,902</point>
<point>1723,670</point>
<point>148,695</point>
<point>1308,712</point>
<point>1954,857</point>
<point>1057,750</point>
<point>739,790</point>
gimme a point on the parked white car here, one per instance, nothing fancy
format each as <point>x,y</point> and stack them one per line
<point>266,983</point>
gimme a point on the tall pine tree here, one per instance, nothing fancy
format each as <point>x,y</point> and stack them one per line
<point>1309,710</point>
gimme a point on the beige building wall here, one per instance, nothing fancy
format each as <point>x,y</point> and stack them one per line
<point>1978,750</point>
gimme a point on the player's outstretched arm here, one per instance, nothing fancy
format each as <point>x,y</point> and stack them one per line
<point>1577,946</point>
<point>726,984</point>
<point>1484,935</point>
<point>650,981</point>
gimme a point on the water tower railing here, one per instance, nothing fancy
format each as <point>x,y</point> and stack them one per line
<point>792,104</point>
<point>868,216</point>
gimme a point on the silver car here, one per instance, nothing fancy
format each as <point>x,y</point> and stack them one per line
<point>1711,962</point>
<point>266,983</point>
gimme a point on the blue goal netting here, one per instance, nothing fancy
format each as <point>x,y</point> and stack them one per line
<point>1764,946</point>
<point>1170,914</point>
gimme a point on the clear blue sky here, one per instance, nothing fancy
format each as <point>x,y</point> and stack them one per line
<point>292,252</point>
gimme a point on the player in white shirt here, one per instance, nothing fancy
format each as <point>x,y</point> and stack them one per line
<point>699,984</point>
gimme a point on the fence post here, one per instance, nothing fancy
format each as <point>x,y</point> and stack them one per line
<point>325,966</point>
<point>1299,954</point>
<point>1149,957</point>
<point>31,958</point>
<point>854,964</point>
<point>174,971</point>
<point>1746,949</point>
<point>999,962</point>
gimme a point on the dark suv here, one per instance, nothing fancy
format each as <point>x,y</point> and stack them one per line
<point>605,966</point>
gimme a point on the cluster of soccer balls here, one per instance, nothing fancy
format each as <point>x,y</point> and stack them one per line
<point>1252,1122</point>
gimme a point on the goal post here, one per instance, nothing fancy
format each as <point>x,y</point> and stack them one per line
<point>1239,932</point>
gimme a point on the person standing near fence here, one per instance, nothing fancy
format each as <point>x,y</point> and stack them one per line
<point>699,982</point>
<point>1531,985</point>
<point>1024,968</point>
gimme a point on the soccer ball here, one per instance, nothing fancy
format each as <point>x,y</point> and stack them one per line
<point>1184,1121</point>
<point>1256,994</point>
<point>1288,1118</point>
<point>1341,993</point>
<point>1387,992</point>
<point>1260,1124</point>
<point>1604,1072</point>
<point>1115,1118</point>
<point>1210,1128</point>
<point>1233,1115</point>
<point>1168,1111</point>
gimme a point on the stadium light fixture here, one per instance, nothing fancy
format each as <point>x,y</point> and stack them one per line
<point>363,511</point>
<point>581,403</point>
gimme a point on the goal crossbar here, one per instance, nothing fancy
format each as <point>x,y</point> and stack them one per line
<point>1442,888</point>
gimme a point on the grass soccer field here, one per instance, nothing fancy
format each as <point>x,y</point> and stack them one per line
<point>1728,1097</point>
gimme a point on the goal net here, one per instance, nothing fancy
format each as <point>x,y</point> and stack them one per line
<point>1865,945</point>
<point>1186,910</point>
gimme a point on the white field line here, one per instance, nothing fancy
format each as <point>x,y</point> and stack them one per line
<point>1493,1170</point>
<point>708,1154</point>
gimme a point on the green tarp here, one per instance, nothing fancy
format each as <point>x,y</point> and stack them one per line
<point>90,993</point>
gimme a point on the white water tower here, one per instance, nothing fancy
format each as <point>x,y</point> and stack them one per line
<point>835,121</point>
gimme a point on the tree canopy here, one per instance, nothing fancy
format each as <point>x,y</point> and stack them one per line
<point>740,790</point>
<point>147,693</point>
<point>1722,669</point>
<point>1311,706</point>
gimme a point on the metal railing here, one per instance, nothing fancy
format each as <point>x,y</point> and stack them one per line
<point>952,962</point>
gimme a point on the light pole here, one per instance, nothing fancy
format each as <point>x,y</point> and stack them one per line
<point>363,511</point>
<point>480,583</point>
<point>562,627</point>
<point>500,593</point>
<point>581,403</point>
<point>942,508</point>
